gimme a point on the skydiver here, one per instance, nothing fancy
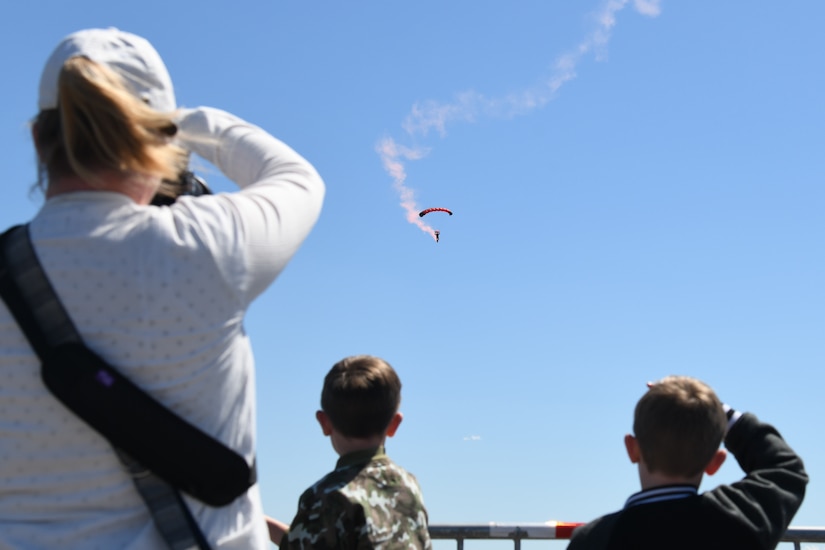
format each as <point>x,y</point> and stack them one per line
<point>437,233</point>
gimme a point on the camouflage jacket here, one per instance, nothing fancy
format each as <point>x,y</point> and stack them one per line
<point>368,501</point>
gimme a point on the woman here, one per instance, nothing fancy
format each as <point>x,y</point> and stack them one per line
<point>158,291</point>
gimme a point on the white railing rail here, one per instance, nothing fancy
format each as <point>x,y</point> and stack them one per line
<point>557,530</point>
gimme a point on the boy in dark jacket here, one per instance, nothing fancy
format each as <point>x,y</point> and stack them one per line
<point>679,425</point>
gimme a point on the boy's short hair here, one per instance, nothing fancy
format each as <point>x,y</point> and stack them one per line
<point>679,424</point>
<point>361,395</point>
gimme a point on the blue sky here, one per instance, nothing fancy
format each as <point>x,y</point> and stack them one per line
<point>637,191</point>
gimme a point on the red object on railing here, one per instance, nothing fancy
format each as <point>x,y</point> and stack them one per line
<point>564,529</point>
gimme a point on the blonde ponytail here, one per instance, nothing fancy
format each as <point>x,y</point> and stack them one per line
<point>101,125</point>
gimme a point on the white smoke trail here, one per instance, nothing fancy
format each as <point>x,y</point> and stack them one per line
<point>390,153</point>
<point>469,106</point>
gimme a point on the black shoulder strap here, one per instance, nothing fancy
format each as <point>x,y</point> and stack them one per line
<point>30,297</point>
<point>27,293</point>
<point>129,418</point>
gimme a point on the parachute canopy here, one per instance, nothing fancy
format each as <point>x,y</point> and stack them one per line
<point>428,210</point>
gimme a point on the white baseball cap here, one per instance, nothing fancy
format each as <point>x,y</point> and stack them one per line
<point>131,56</point>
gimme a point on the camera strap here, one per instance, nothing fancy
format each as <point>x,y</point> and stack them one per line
<point>30,297</point>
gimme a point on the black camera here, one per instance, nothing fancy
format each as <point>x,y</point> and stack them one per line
<point>187,184</point>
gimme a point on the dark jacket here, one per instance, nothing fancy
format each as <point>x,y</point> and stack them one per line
<point>751,513</point>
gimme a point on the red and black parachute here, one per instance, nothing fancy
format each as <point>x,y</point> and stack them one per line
<point>428,210</point>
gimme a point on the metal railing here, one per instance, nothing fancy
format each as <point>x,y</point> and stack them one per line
<point>517,532</point>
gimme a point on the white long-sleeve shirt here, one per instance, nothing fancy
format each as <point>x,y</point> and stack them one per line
<point>161,293</point>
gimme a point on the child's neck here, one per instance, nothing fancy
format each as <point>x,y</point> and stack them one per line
<point>345,445</point>
<point>651,480</point>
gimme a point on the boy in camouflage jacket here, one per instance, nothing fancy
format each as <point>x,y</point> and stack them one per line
<point>368,501</point>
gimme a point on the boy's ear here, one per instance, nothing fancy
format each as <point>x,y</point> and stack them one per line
<point>394,423</point>
<point>633,451</point>
<point>323,420</point>
<point>716,462</point>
